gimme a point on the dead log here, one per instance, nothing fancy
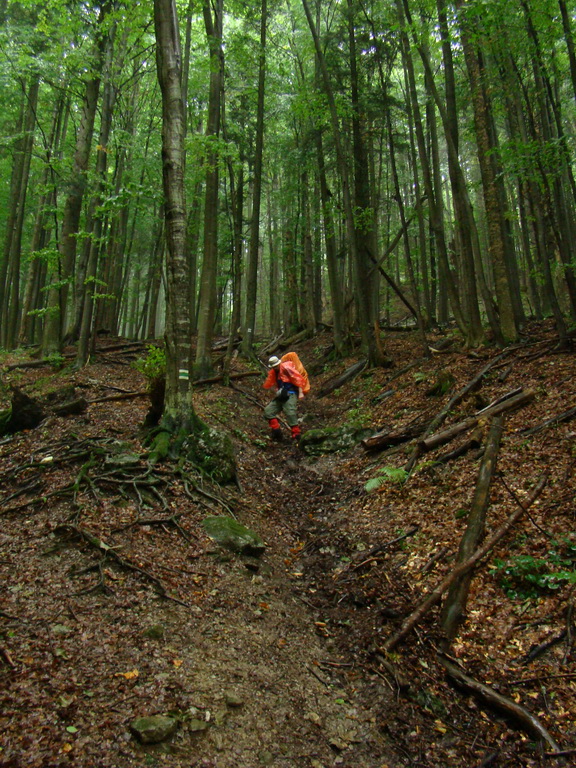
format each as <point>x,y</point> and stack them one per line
<point>440,418</point>
<point>501,399</point>
<point>475,441</point>
<point>294,339</point>
<point>566,416</point>
<point>455,604</point>
<point>348,375</point>
<point>440,438</point>
<point>387,438</point>
<point>434,597</point>
<point>125,346</point>
<point>71,408</point>
<point>524,719</point>
<point>122,396</point>
<point>271,346</point>
<point>235,376</point>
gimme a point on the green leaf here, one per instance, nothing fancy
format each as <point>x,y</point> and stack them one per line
<point>71,729</point>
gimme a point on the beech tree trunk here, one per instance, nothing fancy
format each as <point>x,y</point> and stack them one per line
<point>58,294</point>
<point>254,247</point>
<point>208,294</point>
<point>178,409</point>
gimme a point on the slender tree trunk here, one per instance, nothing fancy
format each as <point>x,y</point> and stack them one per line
<point>370,348</point>
<point>33,298</point>
<point>334,279</point>
<point>208,294</point>
<point>85,293</point>
<point>10,307</point>
<point>58,294</point>
<point>254,247</point>
<point>178,409</point>
<point>494,202</point>
<point>567,27</point>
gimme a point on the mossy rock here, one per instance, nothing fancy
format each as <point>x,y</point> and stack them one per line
<point>153,729</point>
<point>316,442</point>
<point>213,452</point>
<point>232,535</point>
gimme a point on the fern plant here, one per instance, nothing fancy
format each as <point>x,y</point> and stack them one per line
<point>395,475</point>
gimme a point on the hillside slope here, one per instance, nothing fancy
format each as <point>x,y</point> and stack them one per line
<point>116,604</point>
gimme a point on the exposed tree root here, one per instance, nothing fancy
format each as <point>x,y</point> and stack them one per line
<point>524,719</point>
<point>108,551</point>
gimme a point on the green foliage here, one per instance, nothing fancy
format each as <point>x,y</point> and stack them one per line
<point>525,576</point>
<point>55,360</point>
<point>420,377</point>
<point>153,366</point>
<point>395,475</point>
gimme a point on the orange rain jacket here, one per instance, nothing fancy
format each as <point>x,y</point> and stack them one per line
<point>287,372</point>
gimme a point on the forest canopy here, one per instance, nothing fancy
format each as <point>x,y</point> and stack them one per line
<point>345,164</point>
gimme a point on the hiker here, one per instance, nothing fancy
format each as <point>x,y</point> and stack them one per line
<point>290,387</point>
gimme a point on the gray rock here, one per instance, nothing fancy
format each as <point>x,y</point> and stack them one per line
<point>153,729</point>
<point>122,460</point>
<point>233,699</point>
<point>318,441</point>
<point>232,535</point>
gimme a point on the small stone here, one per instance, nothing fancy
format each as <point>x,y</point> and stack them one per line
<point>153,729</point>
<point>60,629</point>
<point>196,725</point>
<point>232,535</point>
<point>234,700</point>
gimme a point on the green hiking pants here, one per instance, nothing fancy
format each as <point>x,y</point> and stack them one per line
<point>290,408</point>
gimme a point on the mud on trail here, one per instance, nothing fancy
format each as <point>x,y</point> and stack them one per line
<point>116,605</point>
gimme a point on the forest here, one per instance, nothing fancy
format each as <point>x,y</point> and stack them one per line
<point>386,188</point>
<point>337,161</point>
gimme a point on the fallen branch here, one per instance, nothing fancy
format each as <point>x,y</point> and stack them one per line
<point>541,678</point>
<point>122,396</point>
<point>434,597</point>
<point>435,558</point>
<point>528,722</point>
<point>440,438</point>
<point>541,648</point>
<point>455,400</point>
<point>475,441</point>
<point>566,416</point>
<point>455,604</point>
<point>387,438</point>
<point>221,377</point>
<point>348,375</point>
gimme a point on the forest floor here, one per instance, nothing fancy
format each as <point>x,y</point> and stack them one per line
<point>114,604</point>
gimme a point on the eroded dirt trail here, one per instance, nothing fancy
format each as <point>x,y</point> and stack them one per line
<point>248,663</point>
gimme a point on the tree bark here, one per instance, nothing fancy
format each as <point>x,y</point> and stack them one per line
<point>178,409</point>
<point>58,294</point>
<point>455,603</point>
<point>254,246</point>
<point>208,294</point>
